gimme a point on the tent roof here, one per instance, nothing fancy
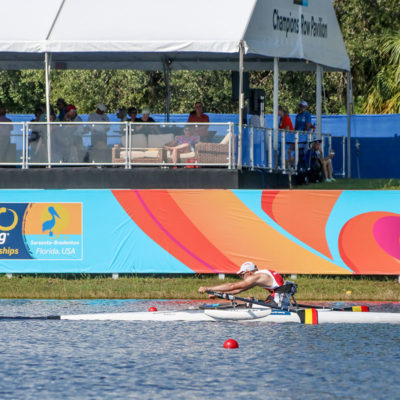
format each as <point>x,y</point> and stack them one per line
<point>185,34</point>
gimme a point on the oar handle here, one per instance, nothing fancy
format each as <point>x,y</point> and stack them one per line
<point>225,296</point>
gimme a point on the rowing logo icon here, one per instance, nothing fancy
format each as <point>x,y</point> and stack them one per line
<point>13,224</point>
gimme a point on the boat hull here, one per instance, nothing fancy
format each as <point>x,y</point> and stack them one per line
<point>276,316</point>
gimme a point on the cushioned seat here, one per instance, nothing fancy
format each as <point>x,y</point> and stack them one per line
<point>145,149</point>
<point>183,157</point>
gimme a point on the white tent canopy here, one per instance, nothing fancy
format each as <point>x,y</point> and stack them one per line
<point>176,34</point>
<point>185,34</point>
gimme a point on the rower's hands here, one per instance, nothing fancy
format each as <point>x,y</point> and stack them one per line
<point>202,290</point>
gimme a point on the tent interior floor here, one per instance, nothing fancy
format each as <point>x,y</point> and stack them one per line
<point>140,178</point>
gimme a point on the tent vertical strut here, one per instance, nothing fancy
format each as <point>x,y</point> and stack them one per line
<point>167,74</point>
<point>241,105</point>
<point>318,101</point>
<point>276,104</point>
<point>47,59</point>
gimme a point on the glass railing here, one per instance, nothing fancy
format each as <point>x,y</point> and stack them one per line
<point>124,144</point>
<point>11,143</point>
<point>127,145</point>
<point>287,151</point>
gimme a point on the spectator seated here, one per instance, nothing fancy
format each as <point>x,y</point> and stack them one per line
<point>314,171</point>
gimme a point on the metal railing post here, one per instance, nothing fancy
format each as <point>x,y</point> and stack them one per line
<point>283,151</point>
<point>296,150</point>
<point>128,141</point>
<point>24,145</point>
<point>309,138</point>
<point>269,147</point>
<point>252,148</point>
<point>230,146</point>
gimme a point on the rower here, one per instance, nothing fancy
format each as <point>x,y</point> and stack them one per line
<point>280,292</point>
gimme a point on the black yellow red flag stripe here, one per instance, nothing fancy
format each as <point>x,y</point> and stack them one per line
<point>360,308</point>
<point>308,316</point>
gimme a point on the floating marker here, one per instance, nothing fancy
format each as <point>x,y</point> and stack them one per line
<point>231,344</point>
<point>152,309</point>
<point>348,293</point>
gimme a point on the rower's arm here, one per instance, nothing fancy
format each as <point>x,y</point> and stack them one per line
<point>232,288</point>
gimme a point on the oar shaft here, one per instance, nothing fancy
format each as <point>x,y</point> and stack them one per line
<point>350,308</point>
<point>231,297</point>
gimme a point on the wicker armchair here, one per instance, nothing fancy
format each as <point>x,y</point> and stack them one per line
<point>213,153</point>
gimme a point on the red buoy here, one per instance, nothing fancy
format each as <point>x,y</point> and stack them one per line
<point>151,309</point>
<point>231,344</point>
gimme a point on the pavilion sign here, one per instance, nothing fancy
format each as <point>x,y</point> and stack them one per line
<point>311,26</point>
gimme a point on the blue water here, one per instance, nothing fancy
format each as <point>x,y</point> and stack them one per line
<point>52,359</point>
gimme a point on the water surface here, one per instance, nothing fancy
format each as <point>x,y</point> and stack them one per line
<point>52,359</point>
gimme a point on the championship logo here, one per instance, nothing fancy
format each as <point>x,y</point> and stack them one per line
<point>46,231</point>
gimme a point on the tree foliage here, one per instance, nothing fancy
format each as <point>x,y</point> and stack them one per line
<point>364,26</point>
<point>384,94</point>
<point>371,31</point>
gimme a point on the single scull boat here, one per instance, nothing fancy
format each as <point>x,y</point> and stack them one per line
<point>306,316</point>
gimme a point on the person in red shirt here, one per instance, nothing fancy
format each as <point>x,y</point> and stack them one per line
<point>198,116</point>
<point>285,121</point>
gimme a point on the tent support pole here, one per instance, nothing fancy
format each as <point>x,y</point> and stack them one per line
<point>276,104</point>
<point>167,73</point>
<point>318,102</point>
<point>349,96</point>
<point>241,105</point>
<point>47,59</point>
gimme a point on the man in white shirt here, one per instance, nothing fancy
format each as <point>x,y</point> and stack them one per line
<point>99,116</point>
<point>67,143</point>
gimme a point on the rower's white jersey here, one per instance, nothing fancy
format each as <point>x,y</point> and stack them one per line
<point>275,278</point>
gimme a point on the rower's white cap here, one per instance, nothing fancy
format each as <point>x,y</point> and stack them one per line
<point>247,267</point>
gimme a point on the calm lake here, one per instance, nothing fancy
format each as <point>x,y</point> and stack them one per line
<point>53,359</point>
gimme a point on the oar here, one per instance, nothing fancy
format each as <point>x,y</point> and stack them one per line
<point>231,297</point>
<point>351,308</point>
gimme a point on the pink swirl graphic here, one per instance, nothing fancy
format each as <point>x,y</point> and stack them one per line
<point>387,234</point>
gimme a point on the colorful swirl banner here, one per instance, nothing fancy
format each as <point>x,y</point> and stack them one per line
<point>199,231</point>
